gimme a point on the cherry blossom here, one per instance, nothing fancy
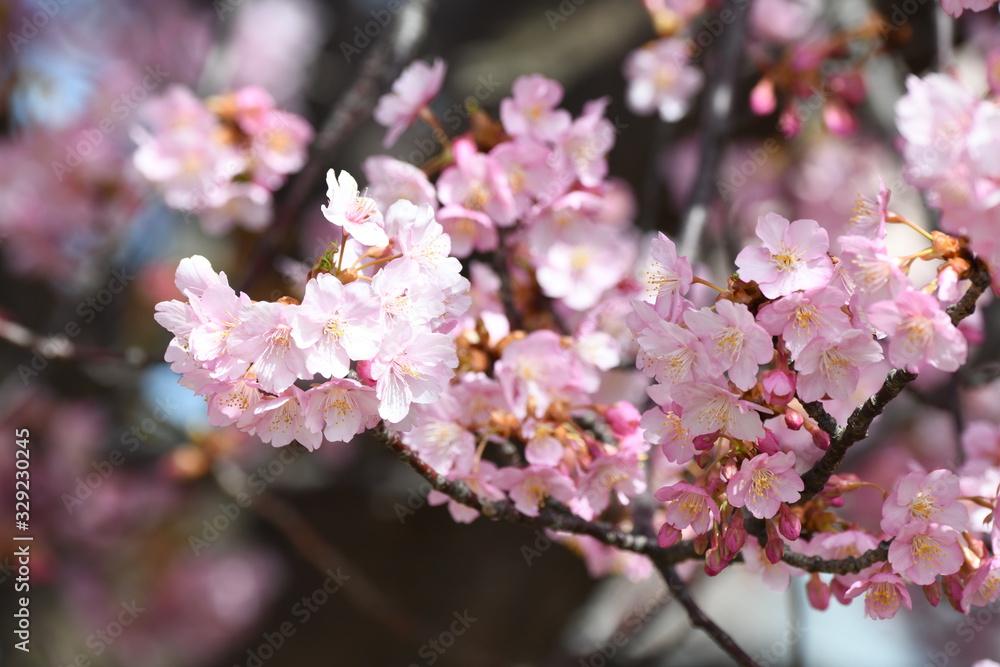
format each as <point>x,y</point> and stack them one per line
<point>920,332</point>
<point>921,551</point>
<point>763,483</point>
<point>793,256</point>
<point>925,498</point>
<point>357,214</point>
<point>661,79</point>
<point>884,593</point>
<point>418,84</point>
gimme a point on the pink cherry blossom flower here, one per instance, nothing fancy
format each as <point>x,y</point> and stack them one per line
<point>218,311</point>
<point>849,543</point>
<point>538,369</point>
<point>733,338</point>
<point>707,408</point>
<point>793,256</point>
<point>480,481</point>
<point>264,338</point>
<point>867,265</point>
<point>983,587</point>
<point>335,324</point>
<point>282,143</point>
<point>802,316</point>
<point>922,551</point>
<point>667,273</point>
<point>417,85</point>
<point>584,147</point>
<point>341,409</point>
<point>763,483</point>
<point>673,354</point>
<point>580,273</point>
<point>622,473</point>
<point>870,215</point>
<point>411,367</point>
<point>925,498</point>
<point>529,172</point>
<point>529,487</point>
<point>664,427</point>
<point>884,593</point>
<point>281,419</point>
<point>920,332</point>
<point>477,182</point>
<point>357,214</point>
<point>405,295</point>
<point>688,505</point>
<point>470,231</point>
<point>833,367</point>
<point>956,7</point>
<point>532,110</point>
<point>228,402</point>
<point>390,180</point>
<point>661,79</point>
<point>776,576</point>
<point>542,448</point>
<point>443,444</point>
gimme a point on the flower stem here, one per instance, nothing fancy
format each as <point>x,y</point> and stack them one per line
<point>702,281</point>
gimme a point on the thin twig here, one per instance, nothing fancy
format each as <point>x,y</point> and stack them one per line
<point>701,620</point>
<point>59,346</point>
<point>714,126</point>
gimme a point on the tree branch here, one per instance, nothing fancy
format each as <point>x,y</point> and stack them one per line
<point>857,424</point>
<point>849,565</point>
<point>714,126</point>
<point>700,620</point>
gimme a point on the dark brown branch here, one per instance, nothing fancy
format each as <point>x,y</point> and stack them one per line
<point>718,104</point>
<point>59,346</point>
<point>861,419</point>
<point>700,620</point>
<point>849,565</point>
<point>386,58</point>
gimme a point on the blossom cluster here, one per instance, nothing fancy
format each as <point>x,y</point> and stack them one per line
<point>220,159</point>
<point>366,335</point>
<point>518,384</point>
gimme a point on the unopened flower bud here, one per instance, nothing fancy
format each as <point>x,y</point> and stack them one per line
<point>933,593</point>
<point>775,547</point>
<point>818,593</point>
<point>793,420</point>
<point>668,536</point>
<point>789,524</point>
<point>769,443</point>
<point>778,386</point>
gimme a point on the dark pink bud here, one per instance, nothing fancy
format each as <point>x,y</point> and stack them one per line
<point>714,562</point>
<point>775,547</point>
<point>762,97</point>
<point>818,593</point>
<point>364,369</point>
<point>839,119</point>
<point>839,590</point>
<point>850,86</point>
<point>790,121</point>
<point>623,418</point>
<point>793,420</point>
<point>820,437</point>
<point>736,533</point>
<point>778,386</point>
<point>704,442</point>
<point>933,593</point>
<point>704,459</point>
<point>789,525</point>
<point>769,443</point>
<point>953,590</point>
<point>669,536</point>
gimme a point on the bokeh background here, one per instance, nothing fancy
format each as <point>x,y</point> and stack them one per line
<point>142,556</point>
